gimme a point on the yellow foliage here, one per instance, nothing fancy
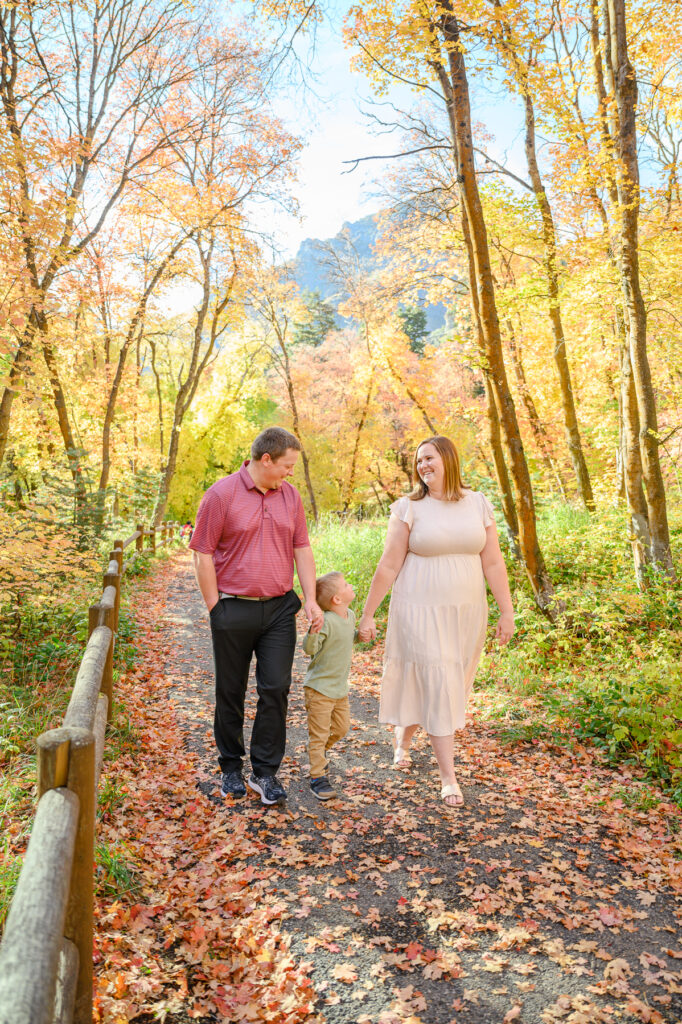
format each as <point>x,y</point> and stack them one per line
<point>41,562</point>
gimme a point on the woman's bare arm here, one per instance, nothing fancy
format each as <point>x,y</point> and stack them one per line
<point>495,572</point>
<point>390,564</point>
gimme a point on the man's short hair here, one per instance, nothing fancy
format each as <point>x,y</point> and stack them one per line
<point>326,587</point>
<point>275,441</point>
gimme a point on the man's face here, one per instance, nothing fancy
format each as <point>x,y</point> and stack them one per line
<point>273,473</point>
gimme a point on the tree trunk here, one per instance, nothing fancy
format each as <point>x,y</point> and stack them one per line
<point>159,400</point>
<point>169,468</point>
<point>296,428</point>
<point>625,93</point>
<point>10,391</point>
<point>630,469</point>
<point>356,446</point>
<point>134,326</point>
<point>297,434</point>
<point>198,363</point>
<point>110,411</point>
<point>536,425</point>
<point>456,94</point>
<point>73,452</point>
<point>501,472</point>
<point>560,354</point>
<point>493,420</point>
<point>640,536</point>
<point>411,395</point>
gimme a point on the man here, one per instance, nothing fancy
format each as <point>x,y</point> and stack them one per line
<point>250,530</point>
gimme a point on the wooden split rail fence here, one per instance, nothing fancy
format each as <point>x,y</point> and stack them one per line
<point>46,971</point>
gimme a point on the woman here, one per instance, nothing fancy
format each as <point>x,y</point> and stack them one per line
<point>441,547</point>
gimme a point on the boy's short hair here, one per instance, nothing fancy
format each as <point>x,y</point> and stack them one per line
<point>325,588</point>
<point>275,441</point>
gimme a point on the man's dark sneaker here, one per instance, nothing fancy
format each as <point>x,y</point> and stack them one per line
<point>271,792</point>
<point>322,788</point>
<point>233,785</point>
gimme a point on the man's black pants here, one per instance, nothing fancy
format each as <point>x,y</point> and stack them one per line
<point>239,629</point>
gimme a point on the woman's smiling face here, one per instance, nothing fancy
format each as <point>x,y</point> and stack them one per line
<point>430,467</point>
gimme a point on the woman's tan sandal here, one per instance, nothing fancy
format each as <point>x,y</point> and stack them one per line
<point>401,758</point>
<point>452,790</point>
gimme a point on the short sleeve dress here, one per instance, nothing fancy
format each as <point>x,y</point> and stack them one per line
<point>438,614</point>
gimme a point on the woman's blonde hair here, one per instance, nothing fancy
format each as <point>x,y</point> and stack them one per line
<point>453,485</point>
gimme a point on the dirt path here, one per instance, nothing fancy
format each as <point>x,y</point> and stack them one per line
<point>544,899</point>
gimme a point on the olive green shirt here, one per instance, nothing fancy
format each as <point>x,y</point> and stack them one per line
<point>331,651</point>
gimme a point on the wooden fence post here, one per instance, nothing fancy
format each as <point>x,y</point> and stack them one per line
<point>79,926</point>
<point>53,759</point>
<point>113,579</point>
<point>107,687</point>
<point>164,533</point>
<point>114,556</point>
<point>152,538</point>
<point>94,614</point>
<point>139,543</point>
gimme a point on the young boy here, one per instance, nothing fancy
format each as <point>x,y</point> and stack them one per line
<point>326,680</point>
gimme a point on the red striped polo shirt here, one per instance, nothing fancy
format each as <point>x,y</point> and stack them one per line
<point>251,535</point>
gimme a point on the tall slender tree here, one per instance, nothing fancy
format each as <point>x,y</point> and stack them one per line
<point>624,90</point>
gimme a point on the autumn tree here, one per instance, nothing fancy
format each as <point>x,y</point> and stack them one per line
<point>155,256</point>
<point>178,140</point>
<point>624,93</point>
<point>424,45</point>
<point>276,306</point>
<point>373,303</point>
<point>79,92</point>
<point>518,42</point>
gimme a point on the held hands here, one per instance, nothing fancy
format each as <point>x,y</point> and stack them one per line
<point>367,630</point>
<point>504,628</point>
<point>314,615</point>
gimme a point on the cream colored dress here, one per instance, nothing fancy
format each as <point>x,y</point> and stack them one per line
<point>438,614</point>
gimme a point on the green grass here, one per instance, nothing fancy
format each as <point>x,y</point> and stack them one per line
<point>122,734</point>
<point>609,672</point>
<point>10,866</point>
<point>353,548</point>
<point>115,875</point>
<point>110,797</point>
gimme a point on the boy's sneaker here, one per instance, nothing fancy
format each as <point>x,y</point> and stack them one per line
<point>232,784</point>
<point>322,788</point>
<point>271,792</point>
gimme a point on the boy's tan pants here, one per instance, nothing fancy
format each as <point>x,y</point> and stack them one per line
<point>328,722</point>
